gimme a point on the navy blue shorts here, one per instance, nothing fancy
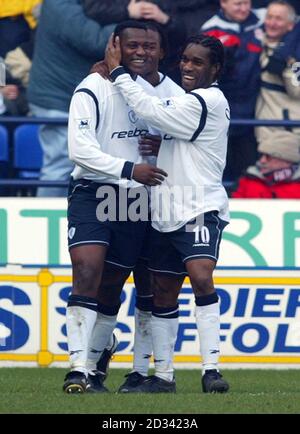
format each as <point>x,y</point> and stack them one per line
<point>124,238</point>
<point>147,245</point>
<point>171,250</point>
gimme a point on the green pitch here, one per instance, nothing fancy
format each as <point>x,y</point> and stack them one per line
<point>36,390</point>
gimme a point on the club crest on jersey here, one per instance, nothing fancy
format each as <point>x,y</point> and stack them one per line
<point>84,124</point>
<point>132,116</point>
<point>168,103</point>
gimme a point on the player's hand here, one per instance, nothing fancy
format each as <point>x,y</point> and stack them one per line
<point>101,68</point>
<point>148,174</point>
<point>113,53</point>
<point>149,144</point>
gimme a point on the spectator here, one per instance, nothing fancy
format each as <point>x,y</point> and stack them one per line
<point>277,172</point>
<point>279,96</point>
<point>14,99</point>
<point>67,45</point>
<point>240,30</point>
<point>17,18</point>
<point>18,61</point>
<point>265,4</point>
<point>29,9</point>
<point>18,64</point>
<point>163,12</point>
<point>289,46</point>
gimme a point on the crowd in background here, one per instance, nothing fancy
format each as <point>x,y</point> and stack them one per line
<point>49,46</point>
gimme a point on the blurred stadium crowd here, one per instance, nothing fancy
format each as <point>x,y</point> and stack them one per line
<point>49,46</point>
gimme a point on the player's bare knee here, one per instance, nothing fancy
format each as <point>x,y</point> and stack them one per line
<point>165,290</point>
<point>164,297</point>
<point>202,285</point>
<point>86,278</point>
<point>113,280</point>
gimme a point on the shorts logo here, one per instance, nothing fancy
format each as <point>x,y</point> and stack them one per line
<point>84,124</point>
<point>71,232</point>
<point>202,236</point>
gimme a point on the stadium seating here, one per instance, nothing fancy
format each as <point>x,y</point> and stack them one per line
<point>3,152</point>
<point>28,154</point>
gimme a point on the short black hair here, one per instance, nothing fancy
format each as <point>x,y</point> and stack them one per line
<point>216,49</point>
<point>144,25</point>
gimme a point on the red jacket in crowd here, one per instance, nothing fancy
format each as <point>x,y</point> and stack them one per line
<point>254,186</point>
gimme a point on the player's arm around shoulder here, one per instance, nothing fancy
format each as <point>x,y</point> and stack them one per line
<point>177,116</point>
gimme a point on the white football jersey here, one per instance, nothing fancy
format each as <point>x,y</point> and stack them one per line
<point>164,89</point>
<point>103,130</point>
<point>194,159</point>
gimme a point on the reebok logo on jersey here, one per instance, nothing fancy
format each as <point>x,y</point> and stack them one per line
<point>130,133</point>
<point>134,133</point>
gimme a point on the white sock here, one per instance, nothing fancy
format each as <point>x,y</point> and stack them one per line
<point>110,342</point>
<point>142,349</point>
<point>164,334</point>
<point>208,325</point>
<point>101,335</point>
<point>80,324</point>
